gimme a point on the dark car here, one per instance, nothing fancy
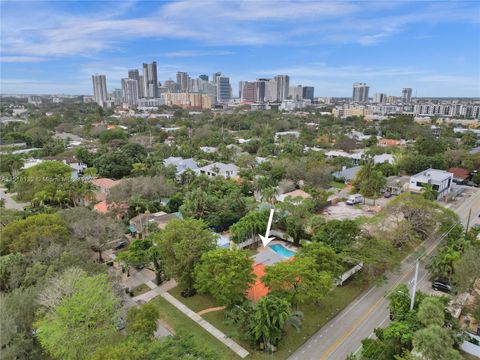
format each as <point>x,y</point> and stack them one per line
<point>120,245</point>
<point>442,286</point>
<point>387,195</point>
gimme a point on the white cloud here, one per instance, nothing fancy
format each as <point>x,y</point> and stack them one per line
<point>195,53</point>
<point>21,59</point>
<point>36,29</point>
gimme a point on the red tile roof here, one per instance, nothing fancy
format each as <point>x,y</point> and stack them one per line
<point>105,183</point>
<point>459,173</point>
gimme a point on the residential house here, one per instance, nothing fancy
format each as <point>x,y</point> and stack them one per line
<point>181,164</point>
<point>77,166</point>
<point>390,142</point>
<point>460,175</point>
<point>140,223</point>
<point>208,149</point>
<point>347,174</point>
<point>219,169</point>
<point>104,185</point>
<point>440,180</point>
<point>397,184</point>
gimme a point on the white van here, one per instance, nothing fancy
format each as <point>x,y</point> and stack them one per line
<point>354,199</point>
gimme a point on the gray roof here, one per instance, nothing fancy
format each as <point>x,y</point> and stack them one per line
<point>181,164</point>
<point>347,174</point>
<point>220,166</point>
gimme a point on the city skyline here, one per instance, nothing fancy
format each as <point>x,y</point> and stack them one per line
<point>325,45</point>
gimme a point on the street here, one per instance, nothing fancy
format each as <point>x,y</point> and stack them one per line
<point>9,202</point>
<point>343,334</point>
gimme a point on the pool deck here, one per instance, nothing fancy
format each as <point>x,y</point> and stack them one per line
<point>267,256</point>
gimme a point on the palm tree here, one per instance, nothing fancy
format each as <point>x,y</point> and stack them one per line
<point>429,193</point>
<point>269,194</point>
<point>41,199</point>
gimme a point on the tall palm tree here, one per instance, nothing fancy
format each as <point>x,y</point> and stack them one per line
<point>429,193</point>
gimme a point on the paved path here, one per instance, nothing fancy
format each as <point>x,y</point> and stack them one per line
<point>156,290</point>
<point>343,334</point>
<point>9,202</point>
<point>212,309</point>
<point>206,325</point>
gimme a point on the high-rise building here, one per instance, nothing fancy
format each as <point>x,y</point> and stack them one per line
<point>271,90</point>
<point>215,76</point>
<point>224,90</point>
<point>249,91</point>
<point>130,91</point>
<point>117,96</point>
<point>407,95</point>
<point>183,81</point>
<point>135,75</point>
<point>261,89</point>
<point>100,89</point>
<point>360,92</point>
<point>380,98</point>
<point>150,80</point>
<point>283,84</point>
<point>203,77</point>
<point>240,88</point>
<point>308,92</point>
<point>295,92</point>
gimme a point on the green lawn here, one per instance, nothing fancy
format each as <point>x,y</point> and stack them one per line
<point>315,316</point>
<point>337,184</point>
<point>182,324</point>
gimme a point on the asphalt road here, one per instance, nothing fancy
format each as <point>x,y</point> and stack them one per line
<point>343,334</point>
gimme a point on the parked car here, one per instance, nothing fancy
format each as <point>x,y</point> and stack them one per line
<point>354,199</point>
<point>441,285</point>
<point>387,194</point>
<point>120,245</point>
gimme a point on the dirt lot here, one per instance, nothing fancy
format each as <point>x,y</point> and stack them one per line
<point>342,211</point>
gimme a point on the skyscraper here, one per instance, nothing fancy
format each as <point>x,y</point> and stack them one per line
<point>271,90</point>
<point>295,92</point>
<point>360,92</point>
<point>380,98</point>
<point>249,91</point>
<point>240,88</point>
<point>203,77</point>
<point>135,75</point>
<point>215,76</point>
<point>224,90</point>
<point>100,89</point>
<point>407,95</point>
<point>308,92</point>
<point>130,91</point>
<point>150,80</point>
<point>117,96</point>
<point>183,81</point>
<point>261,89</point>
<point>283,84</point>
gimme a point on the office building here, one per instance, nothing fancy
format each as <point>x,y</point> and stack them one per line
<point>283,84</point>
<point>215,76</point>
<point>360,92</point>
<point>407,95</point>
<point>308,92</point>
<point>240,88</point>
<point>224,90</point>
<point>380,98</point>
<point>203,77</point>
<point>100,89</point>
<point>295,92</point>
<point>150,80</point>
<point>130,91</point>
<point>183,81</point>
<point>249,91</point>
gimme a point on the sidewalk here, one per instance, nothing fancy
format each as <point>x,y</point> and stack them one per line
<point>206,325</point>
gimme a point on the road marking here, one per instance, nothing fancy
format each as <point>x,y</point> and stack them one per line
<point>355,325</point>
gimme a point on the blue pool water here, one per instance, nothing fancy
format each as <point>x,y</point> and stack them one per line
<point>282,250</point>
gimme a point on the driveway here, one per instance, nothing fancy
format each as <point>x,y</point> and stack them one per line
<point>9,202</point>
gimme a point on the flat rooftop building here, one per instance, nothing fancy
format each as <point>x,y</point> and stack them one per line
<point>440,180</point>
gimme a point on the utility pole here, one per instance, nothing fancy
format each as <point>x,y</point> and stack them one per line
<point>414,288</point>
<point>468,220</point>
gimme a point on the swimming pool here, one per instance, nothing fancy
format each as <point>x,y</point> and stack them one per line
<point>282,250</point>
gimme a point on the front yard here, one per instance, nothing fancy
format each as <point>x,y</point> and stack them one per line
<point>315,316</point>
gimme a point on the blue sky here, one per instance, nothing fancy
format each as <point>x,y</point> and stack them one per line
<point>433,47</point>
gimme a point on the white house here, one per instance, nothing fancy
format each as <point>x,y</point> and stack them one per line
<point>219,169</point>
<point>440,180</point>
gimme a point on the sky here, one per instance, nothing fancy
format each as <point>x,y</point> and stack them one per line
<point>433,47</point>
